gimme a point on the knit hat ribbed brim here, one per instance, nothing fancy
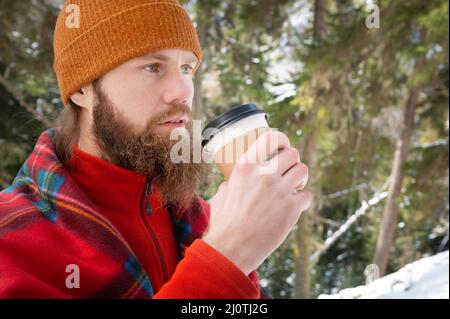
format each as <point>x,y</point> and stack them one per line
<point>111,32</point>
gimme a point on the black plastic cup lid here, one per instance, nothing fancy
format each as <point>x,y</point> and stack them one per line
<point>235,114</point>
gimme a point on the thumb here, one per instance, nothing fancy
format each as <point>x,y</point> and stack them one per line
<point>222,187</point>
<point>217,197</point>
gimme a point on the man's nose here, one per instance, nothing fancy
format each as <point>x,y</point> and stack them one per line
<point>178,87</point>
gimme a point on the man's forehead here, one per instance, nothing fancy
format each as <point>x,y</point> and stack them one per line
<point>171,55</point>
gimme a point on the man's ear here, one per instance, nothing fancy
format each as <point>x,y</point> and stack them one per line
<point>84,97</point>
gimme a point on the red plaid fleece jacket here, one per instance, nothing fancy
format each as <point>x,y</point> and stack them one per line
<point>48,224</point>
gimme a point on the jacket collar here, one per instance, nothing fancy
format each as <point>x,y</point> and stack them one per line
<point>106,184</point>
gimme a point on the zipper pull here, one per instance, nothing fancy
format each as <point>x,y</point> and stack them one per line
<point>148,191</point>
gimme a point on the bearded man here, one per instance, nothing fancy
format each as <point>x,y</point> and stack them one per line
<point>100,209</point>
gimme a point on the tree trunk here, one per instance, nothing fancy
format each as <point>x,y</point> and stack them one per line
<point>198,111</point>
<point>308,153</point>
<point>389,220</point>
<point>320,26</point>
<point>390,214</point>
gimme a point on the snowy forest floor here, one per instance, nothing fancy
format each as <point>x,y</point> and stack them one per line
<point>427,278</point>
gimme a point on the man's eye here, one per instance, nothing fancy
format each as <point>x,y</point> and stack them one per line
<point>152,67</point>
<point>187,69</point>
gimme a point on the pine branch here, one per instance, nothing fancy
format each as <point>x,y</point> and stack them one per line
<point>344,191</point>
<point>440,142</point>
<point>20,99</point>
<point>361,211</point>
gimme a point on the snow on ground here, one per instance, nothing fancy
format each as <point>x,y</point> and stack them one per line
<point>427,278</point>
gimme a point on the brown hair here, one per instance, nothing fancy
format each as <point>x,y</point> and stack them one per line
<point>68,126</point>
<point>67,131</point>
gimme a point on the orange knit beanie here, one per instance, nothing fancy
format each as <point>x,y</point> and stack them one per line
<point>92,37</point>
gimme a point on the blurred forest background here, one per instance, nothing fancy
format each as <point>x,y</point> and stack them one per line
<point>367,108</point>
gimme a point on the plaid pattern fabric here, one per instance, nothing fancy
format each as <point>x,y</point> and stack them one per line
<point>44,195</point>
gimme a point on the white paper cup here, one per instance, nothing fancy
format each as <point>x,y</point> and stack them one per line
<point>230,135</point>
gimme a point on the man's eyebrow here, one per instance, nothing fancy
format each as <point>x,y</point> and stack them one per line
<point>165,58</point>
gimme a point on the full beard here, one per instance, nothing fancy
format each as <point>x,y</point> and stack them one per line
<point>148,153</point>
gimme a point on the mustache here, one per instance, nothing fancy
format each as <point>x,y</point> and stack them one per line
<point>176,109</point>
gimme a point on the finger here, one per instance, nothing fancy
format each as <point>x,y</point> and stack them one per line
<point>285,160</point>
<point>221,187</point>
<point>296,177</point>
<point>267,144</point>
<point>304,198</point>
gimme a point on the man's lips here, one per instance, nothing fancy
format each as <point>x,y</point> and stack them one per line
<point>180,120</point>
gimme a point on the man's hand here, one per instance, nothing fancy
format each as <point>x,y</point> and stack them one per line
<point>252,213</point>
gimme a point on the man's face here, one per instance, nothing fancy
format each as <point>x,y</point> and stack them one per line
<point>134,109</point>
<point>148,86</point>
